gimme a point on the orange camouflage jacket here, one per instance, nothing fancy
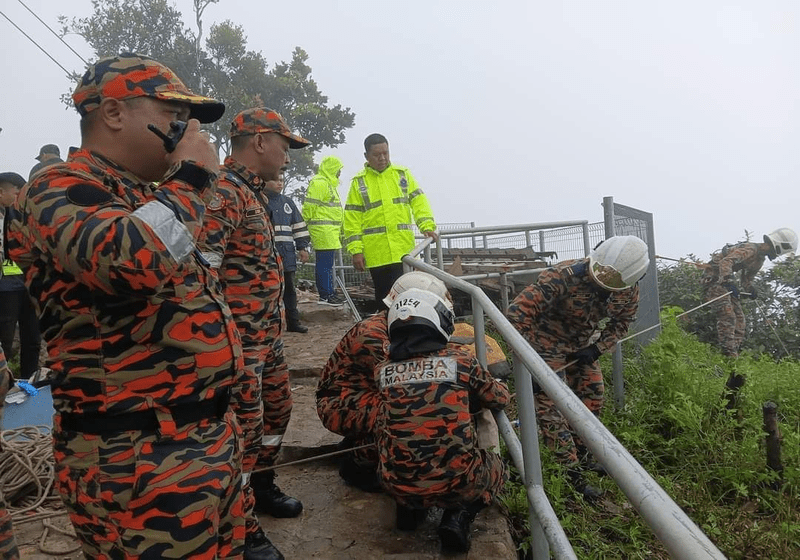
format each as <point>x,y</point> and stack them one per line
<point>132,317</point>
<point>744,257</point>
<point>561,312</point>
<point>424,429</point>
<point>239,241</point>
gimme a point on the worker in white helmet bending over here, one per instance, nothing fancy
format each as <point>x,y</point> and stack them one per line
<point>560,317</point>
<point>719,279</point>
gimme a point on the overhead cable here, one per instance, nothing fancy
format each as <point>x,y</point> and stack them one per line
<point>67,72</point>
<point>53,32</point>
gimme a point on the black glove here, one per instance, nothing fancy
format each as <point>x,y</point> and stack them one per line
<point>731,287</point>
<point>585,356</point>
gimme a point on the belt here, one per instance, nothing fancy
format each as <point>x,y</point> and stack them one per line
<point>146,420</point>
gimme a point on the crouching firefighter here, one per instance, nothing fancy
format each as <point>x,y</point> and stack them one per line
<point>425,433</point>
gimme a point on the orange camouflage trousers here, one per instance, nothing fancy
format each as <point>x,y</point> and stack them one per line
<point>587,383</point>
<point>246,403</point>
<point>481,483</point>
<point>730,319</point>
<point>138,494</point>
<point>276,396</point>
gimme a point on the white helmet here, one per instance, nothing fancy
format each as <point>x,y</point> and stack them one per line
<point>421,307</point>
<point>417,279</point>
<point>781,241</point>
<point>619,262</point>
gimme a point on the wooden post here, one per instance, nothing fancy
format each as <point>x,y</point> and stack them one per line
<point>773,440</point>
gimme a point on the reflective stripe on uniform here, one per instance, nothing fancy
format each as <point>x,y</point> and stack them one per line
<point>168,228</point>
<point>405,226</point>
<point>352,239</point>
<point>322,223</point>
<point>331,204</point>
<point>415,194</point>
<point>271,441</point>
<point>362,187</point>
<point>374,230</point>
<point>401,200</point>
<point>214,259</point>
<point>354,207</point>
<point>283,238</point>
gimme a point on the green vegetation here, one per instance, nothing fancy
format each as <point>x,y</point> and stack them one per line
<point>711,460</point>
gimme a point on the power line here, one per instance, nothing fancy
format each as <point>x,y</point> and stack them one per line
<point>53,32</point>
<point>67,72</point>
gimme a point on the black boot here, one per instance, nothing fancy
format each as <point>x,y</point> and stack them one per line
<point>589,463</point>
<point>590,493</point>
<point>408,519</point>
<point>297,327</point>
<point>270,499</point>
<point>258,547</point>
<point>454,530</point>
<point>359,476</point>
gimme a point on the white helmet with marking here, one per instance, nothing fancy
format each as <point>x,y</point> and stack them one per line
<point>619,262</point>
<point>423,308</point>
<point>781,241</point>
<point>420,280</point>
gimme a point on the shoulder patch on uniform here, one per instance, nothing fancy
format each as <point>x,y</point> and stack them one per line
<point>286,208</point>
<point>84,194</point>
<point>216,202</point>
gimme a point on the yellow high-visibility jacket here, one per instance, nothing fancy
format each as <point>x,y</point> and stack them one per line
<point>378,215</point>
<point>322,208</point>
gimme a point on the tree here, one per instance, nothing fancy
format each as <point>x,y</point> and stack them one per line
<point>225,70</point>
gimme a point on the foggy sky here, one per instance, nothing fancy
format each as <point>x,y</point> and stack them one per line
<point>515,112</point>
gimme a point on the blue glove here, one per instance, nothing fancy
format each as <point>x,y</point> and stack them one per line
<point>731,287</point>
<point>585,356</point>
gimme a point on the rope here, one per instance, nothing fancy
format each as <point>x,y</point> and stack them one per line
<point>620,341</point>
<point>27,474</point>
<point>314,458</point>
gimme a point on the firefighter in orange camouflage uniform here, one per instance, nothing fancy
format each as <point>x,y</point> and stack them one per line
<point>718,280</point>
<point>142,345</point>
<point>559,316</point>
<point>425,434</point>
<point>347,396</point>
<point>238,240</point>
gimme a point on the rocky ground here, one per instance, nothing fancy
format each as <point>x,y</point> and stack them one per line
<point>338,522</point>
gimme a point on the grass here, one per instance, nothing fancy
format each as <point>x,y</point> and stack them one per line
<point>710,460</point>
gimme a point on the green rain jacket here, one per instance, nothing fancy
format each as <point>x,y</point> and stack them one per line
<point>378,215</point>
<point>322,209</point>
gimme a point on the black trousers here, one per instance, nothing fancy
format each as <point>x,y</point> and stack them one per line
<point>290,298</point>
<point>16,307</point>
<point>384,278</point>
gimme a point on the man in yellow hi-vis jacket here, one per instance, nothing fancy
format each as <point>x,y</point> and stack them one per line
<point>322,212</point>
<point>378,227</point>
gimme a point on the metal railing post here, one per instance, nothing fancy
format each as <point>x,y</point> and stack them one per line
<point>479,329</point>
<point>541,240</point>
<point>528,242</point>
<point>474,240</point>
<point>587,245</point>
<point>529,435</point>
<point>617,377</point>
<point>504,291</point>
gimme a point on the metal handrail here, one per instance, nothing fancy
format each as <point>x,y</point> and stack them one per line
<point>682,538</point>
